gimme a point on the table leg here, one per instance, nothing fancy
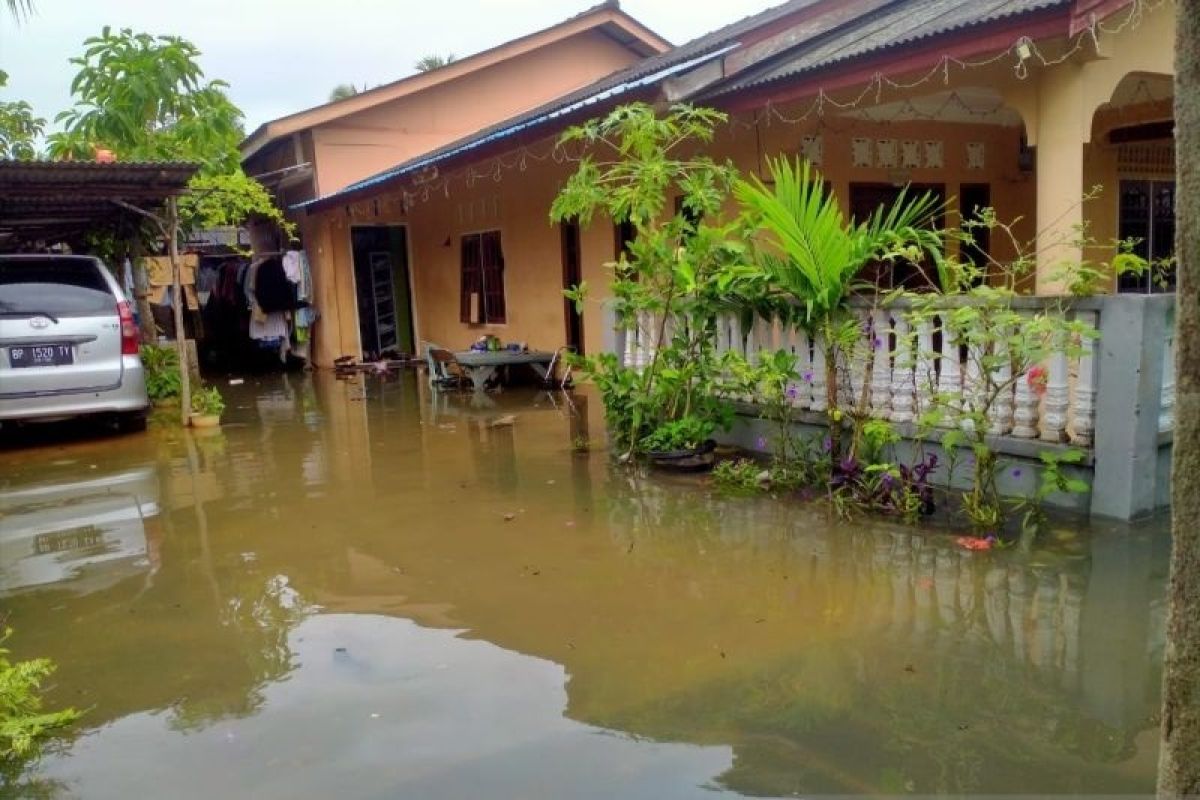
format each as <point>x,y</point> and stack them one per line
<point>480,376</point>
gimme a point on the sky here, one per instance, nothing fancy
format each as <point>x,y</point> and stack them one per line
<point>281,56</point>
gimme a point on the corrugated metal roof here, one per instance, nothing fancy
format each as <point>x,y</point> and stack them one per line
<point>56,199</point>
<point>129,177</point>
<point>896,25</point>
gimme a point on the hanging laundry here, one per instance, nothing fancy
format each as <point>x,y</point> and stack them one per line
<point>271,326</point>
<point>292,267</point>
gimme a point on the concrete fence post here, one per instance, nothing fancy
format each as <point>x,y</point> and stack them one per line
<point>1133,331</point>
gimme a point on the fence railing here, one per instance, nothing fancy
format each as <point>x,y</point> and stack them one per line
<point>905,363</point>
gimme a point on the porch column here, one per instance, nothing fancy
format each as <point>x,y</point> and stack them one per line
<point>1062,124</point>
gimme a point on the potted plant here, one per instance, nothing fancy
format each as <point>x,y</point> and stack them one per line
<point>207,405</point>
<point>684,444</point>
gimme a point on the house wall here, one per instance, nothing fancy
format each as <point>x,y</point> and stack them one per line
<point>360,145</point>
<point>518,206</point>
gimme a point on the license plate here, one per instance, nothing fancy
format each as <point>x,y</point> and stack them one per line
<point>41,355</point>
<point>71,539</point>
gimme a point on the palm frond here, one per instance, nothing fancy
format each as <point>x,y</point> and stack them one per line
<point>19,9</point>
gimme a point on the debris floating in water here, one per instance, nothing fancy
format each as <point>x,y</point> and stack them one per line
<point>975,542</point>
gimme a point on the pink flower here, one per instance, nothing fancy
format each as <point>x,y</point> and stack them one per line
<point>1037,378</point>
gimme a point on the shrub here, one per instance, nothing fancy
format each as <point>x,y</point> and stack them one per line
<point>161,364</point>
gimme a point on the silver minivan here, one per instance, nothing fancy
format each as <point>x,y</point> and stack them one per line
<point>68,342</point>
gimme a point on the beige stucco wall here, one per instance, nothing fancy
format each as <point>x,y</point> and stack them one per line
<point>363,144</point>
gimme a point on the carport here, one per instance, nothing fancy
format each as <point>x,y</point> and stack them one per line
<point>50,204</point>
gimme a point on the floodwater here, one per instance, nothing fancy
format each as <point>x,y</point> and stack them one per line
<point>351,590</point>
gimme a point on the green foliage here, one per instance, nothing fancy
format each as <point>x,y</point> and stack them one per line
<point>741,475</point>
<point>146,98</point>
<point>814,256</point>
<point>228,198</point>
<point>1054,480</point>
<point>207,400</point>
<point>23,723</point>
<point>434,61</point>
<point>19,128</point>
<point>686,433</point>
<point>342,91</point>
<point>161,364</point>
<point>681,269</point>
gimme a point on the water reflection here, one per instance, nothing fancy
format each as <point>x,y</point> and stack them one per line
<point>743,645</point>
<point>85,534</point>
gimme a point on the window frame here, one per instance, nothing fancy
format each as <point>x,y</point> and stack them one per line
<point>481,276</point>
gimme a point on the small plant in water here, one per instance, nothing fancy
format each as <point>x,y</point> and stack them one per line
<point>741,475</point>
<point>24,725</point>
<point>207,401</point>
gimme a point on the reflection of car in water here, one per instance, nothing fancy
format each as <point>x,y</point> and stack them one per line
<point>85,535</point>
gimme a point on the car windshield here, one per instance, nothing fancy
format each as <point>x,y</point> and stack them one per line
<point>53,286</point>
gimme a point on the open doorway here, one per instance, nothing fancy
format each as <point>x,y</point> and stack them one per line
<point>572,277</point>
<point>383,288</point>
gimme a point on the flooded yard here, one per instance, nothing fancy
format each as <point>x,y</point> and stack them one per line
<point>359,590</point>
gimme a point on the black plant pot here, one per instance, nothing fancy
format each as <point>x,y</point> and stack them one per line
<point>698,459</point>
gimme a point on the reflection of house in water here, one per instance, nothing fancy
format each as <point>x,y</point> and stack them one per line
<point>89,533</point>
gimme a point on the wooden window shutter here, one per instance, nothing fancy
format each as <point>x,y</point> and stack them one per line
<point>494,310</point>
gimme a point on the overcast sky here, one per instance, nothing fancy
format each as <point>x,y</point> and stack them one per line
<point>280,56</point>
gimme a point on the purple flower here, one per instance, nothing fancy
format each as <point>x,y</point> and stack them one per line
<point>792,391</point>
<point>808,376</point>
<point>1016,473</point>
<point>991,538</point>
<point>876,343</point>
<point>827,445</point>
<point>761,442</point>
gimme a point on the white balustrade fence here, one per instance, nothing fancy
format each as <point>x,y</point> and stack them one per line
<point>905,365</point>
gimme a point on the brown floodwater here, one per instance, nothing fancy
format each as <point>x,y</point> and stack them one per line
<point>357,590</point>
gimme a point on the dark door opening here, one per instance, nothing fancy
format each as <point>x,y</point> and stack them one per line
<point>1147,216</point>
<point>572,277</point>
<point>865,198</point>
<point>973,199</point>
<point>383,290</point>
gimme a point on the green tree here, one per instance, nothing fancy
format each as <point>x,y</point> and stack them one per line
<point>434,61</point>
<point>1179,764</point>
<point>342,91</point>
<point>146,98</point>
<point>680,270</point>
<point>19,128</point>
